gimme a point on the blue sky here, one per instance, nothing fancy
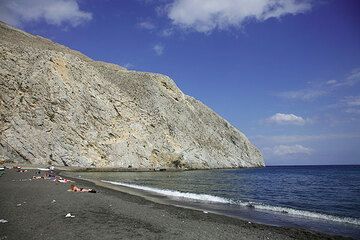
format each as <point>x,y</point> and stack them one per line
<point>284,72</point>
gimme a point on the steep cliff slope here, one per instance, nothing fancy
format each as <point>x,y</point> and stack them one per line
<point>59,107</point>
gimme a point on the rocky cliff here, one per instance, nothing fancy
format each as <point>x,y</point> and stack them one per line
<point>59,107</point>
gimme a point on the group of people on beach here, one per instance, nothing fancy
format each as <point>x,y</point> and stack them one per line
<point>49,174</point>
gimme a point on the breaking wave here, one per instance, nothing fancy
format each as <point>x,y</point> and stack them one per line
<point>215,199</point>
<point>308,214</point>
<point>174,194</point>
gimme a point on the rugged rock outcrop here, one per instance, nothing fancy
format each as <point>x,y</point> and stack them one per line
<point>59,107</point>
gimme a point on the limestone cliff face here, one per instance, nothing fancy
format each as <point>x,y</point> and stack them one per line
<point>59,107</point>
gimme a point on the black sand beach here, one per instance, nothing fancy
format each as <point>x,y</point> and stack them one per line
<point>31,213</point>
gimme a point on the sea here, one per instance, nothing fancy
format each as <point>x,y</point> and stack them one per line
<point>319,198</point>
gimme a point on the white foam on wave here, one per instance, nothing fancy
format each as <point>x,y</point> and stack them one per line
<point>174,194</point>
<point>303,213</point>
<point>210,198</point>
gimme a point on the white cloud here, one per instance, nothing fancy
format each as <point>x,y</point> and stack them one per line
<point>205,16</point>
<point>284,150</point>
<point>283,118</point>
<point>159,49</point>
<point>148,25</point>
<point>55,12</point>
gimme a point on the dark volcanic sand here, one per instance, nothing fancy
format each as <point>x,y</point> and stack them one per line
<point>110,214</point>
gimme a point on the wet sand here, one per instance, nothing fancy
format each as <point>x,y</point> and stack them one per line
<point>110,214</point>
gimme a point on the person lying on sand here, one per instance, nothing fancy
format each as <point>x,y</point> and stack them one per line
<point>63,180</point>
<point>53,178</point>
<point>74,188</point>
<point>45,176</point>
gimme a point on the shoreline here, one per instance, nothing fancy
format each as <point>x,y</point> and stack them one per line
<point>245,217</point>
<point>112,214</point>
<point>148,197</point>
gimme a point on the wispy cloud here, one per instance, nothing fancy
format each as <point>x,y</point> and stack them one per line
<point>284,118</point>
<point>323,88</point>
<point>331,82</point>
<point>352,101</point>
<point>55,12</point>
<point>167,32</point>
<point>350,104</point>
<point>206,16</point>
<point>303,94</point>
<point>159,49</point>
<point>353,110</point>
<point>286,139</point>
<point>352,79</point>
<point>285,150</point>
<point>300,146</point>
<point>148,25</point>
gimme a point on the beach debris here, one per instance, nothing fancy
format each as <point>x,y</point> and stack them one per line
<point>19,204</point>
<point>69,215</point>
<point>53,201</point>
<point>205,212</point>
<point>3,221</point>
<point>249,222</point>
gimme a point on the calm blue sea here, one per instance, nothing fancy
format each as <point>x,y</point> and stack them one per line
<point>321,198</point>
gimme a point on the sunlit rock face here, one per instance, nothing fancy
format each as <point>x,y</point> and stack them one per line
<point>59,107</point>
